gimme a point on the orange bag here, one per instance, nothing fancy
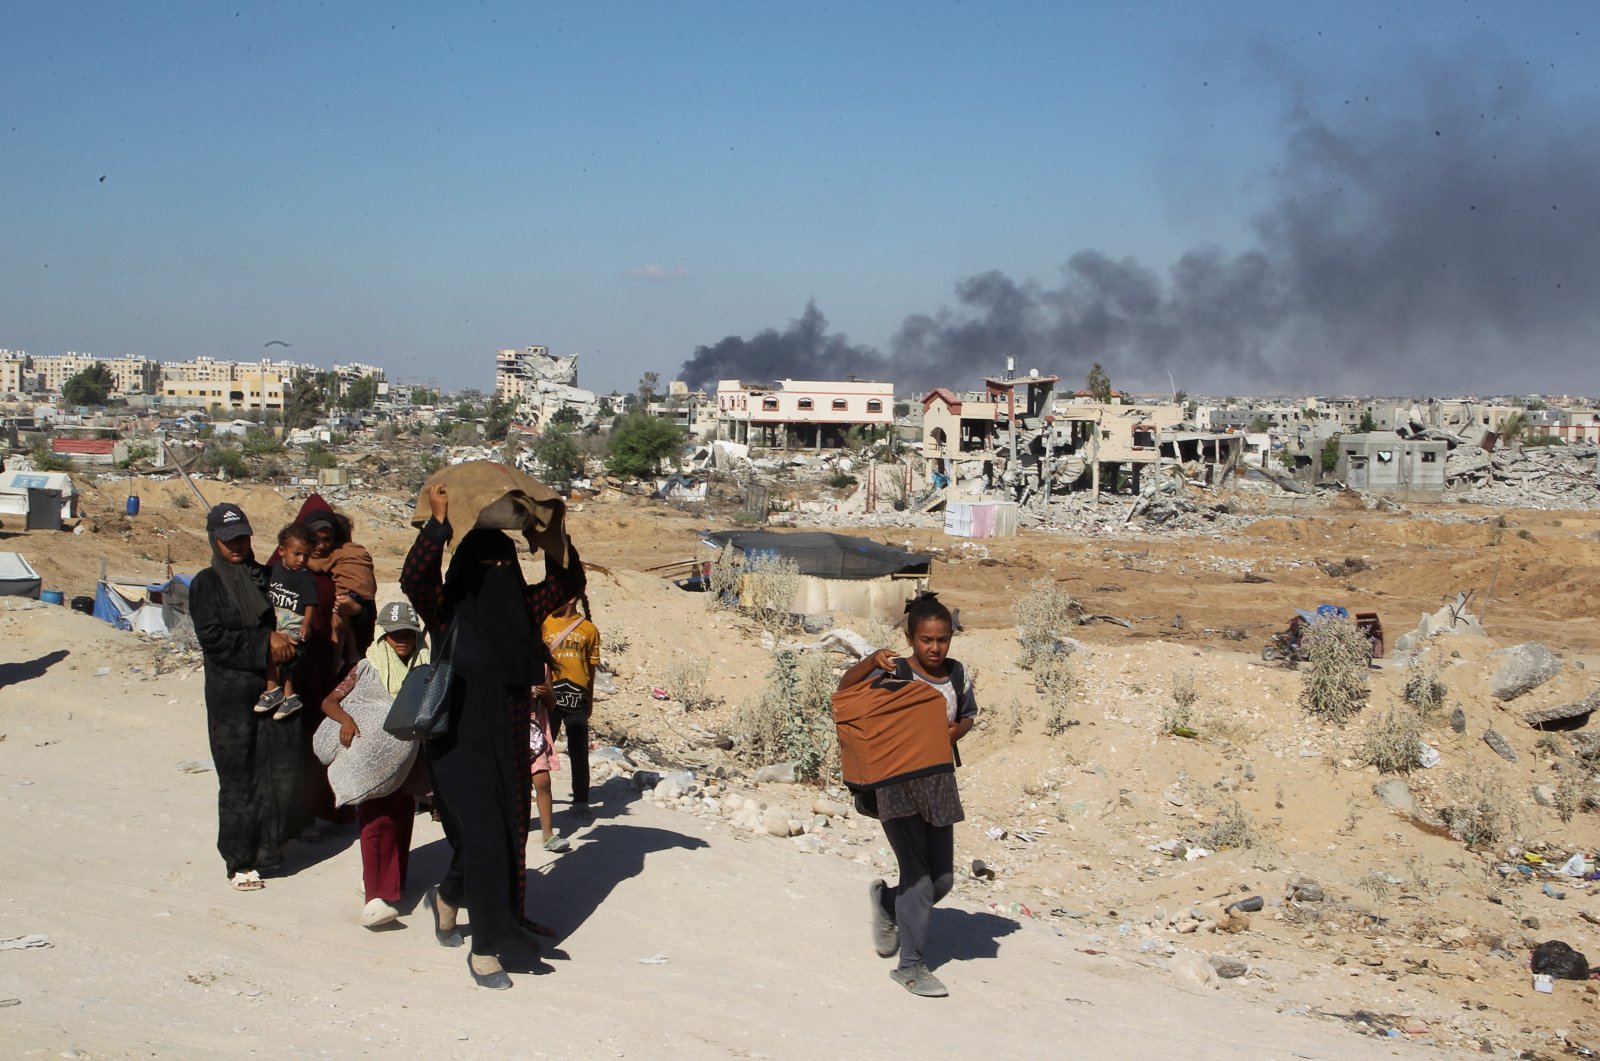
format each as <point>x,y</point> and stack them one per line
<point>891,728</point>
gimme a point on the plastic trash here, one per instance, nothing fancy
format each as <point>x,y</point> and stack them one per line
<point>1248,905</point>
<point>1428,756</point>
<point>1574,866</point>
<point>1553,893</point>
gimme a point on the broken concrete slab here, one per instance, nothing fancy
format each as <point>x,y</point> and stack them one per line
<point>1563,716</point>
<point>1526,667</point>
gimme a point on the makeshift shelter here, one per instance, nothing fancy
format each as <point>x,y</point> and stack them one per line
<point>838,572</point>
<point>148,608</point>
<point>18,578</point>
<point>43,499</point>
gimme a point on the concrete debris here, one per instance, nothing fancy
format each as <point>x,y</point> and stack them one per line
<point>1536,477</point>
<point>1564,713</point>
<point>1526,667</point>
<point>1501,746</point>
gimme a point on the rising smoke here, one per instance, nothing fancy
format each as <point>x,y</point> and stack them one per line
<point>1434,233</point>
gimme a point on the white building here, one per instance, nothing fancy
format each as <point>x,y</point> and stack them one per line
<point>812,414</point>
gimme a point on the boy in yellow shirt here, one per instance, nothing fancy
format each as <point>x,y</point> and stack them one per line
<point>574,645</point>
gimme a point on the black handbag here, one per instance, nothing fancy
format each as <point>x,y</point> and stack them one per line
<point>422,706</point>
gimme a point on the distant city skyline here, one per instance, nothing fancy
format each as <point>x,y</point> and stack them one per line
<point>1369,199</point>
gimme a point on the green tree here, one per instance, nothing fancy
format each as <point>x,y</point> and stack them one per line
<point>1099,384</point>
<point>1259,424</point>
<point>558,454</point>
<point>647,387</point>
<point>608,406</point>
<point>1367,422</point>
<point>302,402</point>
<point>92,386</point>
<point>567,415</point>
<point>360,394</point>
<point>902,409</point>
<point>498,422</point>
<point>423,396</point>
<point>1330,455</point>
<point>1514,426</point>
<point>639,442</point>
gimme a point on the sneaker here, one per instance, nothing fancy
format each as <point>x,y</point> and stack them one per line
<point>558,844</point>
<point>885,936</point>
<point>377,912</point>
<point>268,700</point>
<point>919,981</point>
<point>289,706</point>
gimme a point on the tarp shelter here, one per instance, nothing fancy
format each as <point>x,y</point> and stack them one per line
<point>17,577</point>
<point>44,499</point>
<point>143,607</point>
<point>838,572</point>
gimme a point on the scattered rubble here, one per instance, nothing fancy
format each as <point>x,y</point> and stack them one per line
<point>1536,477</point>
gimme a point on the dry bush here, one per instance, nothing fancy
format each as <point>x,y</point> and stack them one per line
<point>793,719</point>
<point>1424,690</point>
<point>1334,687</point>
<point>1393,743</point>
<point>770,585</point>
<point>1044,614</point>
<point>1184,696</point>
<point>1055,683</point>
<point>727,576</point>
<point>1481,810</point>
<point>687,681</point>
<point>1222,725</point>
<point>1571,785</point>
<point>1234,829</point>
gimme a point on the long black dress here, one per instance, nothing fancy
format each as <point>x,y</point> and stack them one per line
<point>480,768</point>
<point>260,763</point>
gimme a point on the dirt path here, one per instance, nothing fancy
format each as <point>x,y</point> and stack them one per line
<point>107,849</point>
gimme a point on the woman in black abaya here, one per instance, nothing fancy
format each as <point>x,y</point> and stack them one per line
<point>260,763</point>
<point>480,766</point>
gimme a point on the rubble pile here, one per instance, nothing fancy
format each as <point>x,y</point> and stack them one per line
<point>1537,477</point>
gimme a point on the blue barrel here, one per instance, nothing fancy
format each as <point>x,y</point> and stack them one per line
<point>52,596</point>
<point>133,505</point>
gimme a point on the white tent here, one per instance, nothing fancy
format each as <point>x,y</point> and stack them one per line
<point>14,487</point>
<point>17,577</point>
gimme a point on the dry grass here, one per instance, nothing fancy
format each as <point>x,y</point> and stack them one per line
<point>1234,829</point>
<point>1334,687</point>
<point>792,721</point>
<point>1055,682</point>
<point>1424,690</point>
<point>688,682</point>
<point>1180,715</point>
<point>1044,615</point>
<point>1393,743</point>
<point>1482,810</point>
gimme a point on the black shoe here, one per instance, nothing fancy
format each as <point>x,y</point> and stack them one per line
<point>495,981</point>
<point>450,937</point>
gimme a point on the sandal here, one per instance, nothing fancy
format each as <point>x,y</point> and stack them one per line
<point>247,880</point>
<point>557,844</point>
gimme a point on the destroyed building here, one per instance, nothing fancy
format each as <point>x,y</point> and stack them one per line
<point>1382,462</point>
<point>802,414</point>
<point>541,384</point>
<point>1016,439</point>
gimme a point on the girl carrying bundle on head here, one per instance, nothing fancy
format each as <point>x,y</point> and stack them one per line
<point>899,718</point>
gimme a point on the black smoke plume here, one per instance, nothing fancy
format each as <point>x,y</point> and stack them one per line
<point>1433,233</point>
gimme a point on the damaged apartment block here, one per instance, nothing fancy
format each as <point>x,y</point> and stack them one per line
<point>1016,438</point>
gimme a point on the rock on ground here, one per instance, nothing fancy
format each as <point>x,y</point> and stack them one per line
<point>1526,667</point>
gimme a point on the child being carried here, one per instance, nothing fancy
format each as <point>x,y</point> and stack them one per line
<point>293,591</point>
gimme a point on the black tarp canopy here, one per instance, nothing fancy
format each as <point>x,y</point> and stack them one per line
<point>825,555</point>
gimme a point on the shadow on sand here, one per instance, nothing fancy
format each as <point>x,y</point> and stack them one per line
<point>965,935</point>
<point>17,673</point>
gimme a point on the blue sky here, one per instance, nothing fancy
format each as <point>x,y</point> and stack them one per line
<point>417,185</point>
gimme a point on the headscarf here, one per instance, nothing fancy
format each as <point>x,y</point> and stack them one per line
<point>245,583</point>
<point>327,517</point>
<point>490,600</point>
<point>388,664</point>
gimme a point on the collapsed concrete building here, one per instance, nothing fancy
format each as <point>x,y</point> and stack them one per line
<point>540,385</point>
<point>1016,439</point>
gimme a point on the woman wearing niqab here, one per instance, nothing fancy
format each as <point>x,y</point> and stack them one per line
<point>480,765</point>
